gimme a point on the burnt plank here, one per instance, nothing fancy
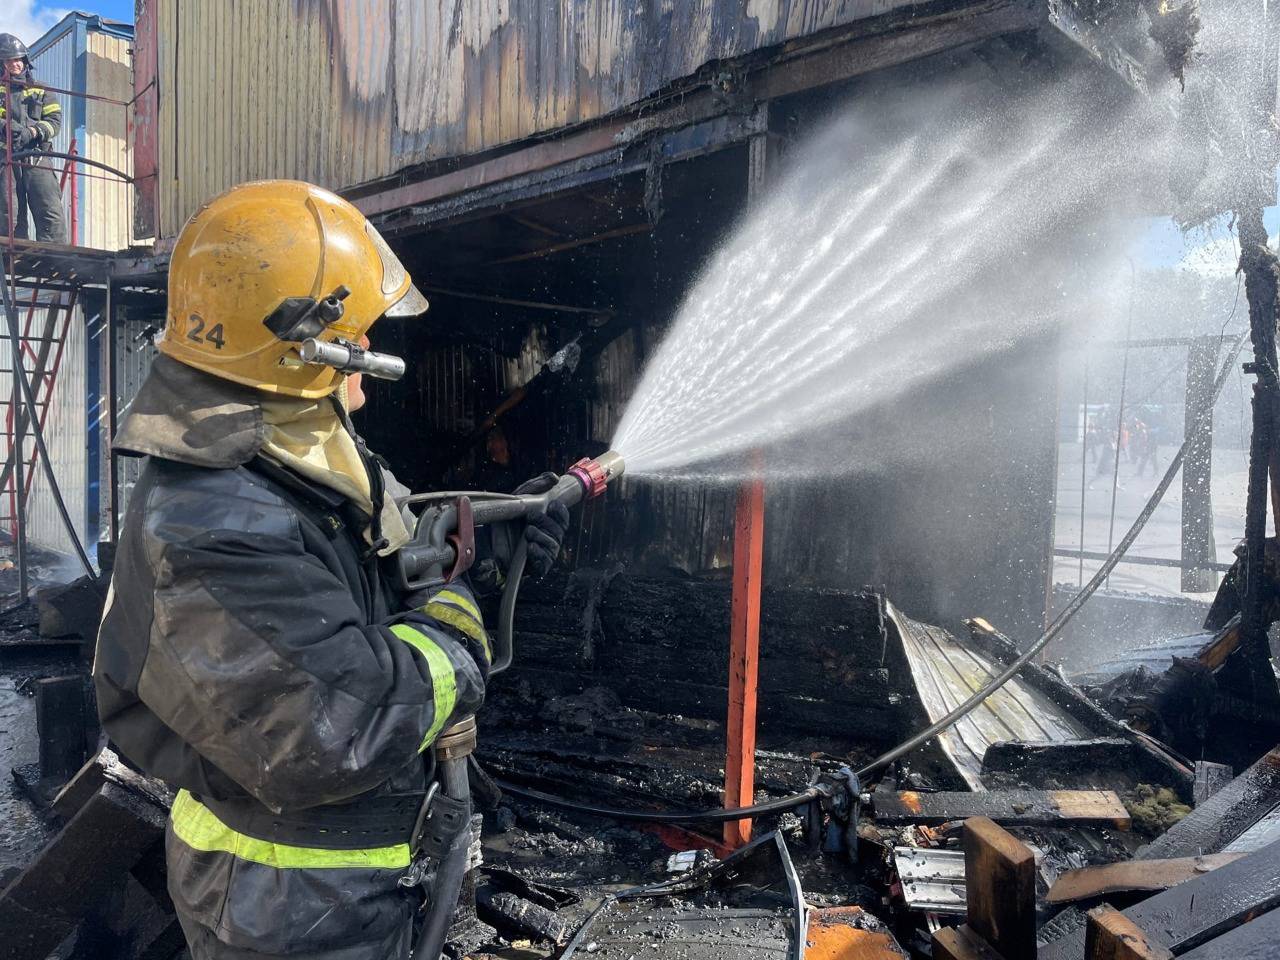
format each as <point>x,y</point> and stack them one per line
<point>1022,808</point>
<point>1000,888</point>
<point>1088,883</point>
<point>1110,935</point>
<point>961,943</point>
<point>1223,816</point>
<point>60,720</point>
<point>1255,940</point>
<point>76,870</point>
<point>1198,911</point>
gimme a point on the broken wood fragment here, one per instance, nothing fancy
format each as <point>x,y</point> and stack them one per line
<point>1132,876</point>
<point>1000,889</point>
<point>76,870</point>
<point>1007,807</point>
<point>1110,935</point>
<point>961,943</point>
<point>1199,910</point>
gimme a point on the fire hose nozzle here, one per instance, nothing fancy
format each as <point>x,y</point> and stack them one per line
<point>595,475</point>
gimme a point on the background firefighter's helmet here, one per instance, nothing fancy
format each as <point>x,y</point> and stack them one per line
<point>11,48</point>
<point>267,264</point>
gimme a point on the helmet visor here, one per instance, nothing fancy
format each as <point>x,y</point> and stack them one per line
<point>394,275</point>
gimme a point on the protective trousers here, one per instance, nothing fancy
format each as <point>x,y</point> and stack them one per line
<point>37,190</point>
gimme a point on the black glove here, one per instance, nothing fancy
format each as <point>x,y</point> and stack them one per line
<point>23,137</point>
<point>543,534</point>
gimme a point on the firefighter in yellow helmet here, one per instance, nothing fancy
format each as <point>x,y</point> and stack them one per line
<point>254,653</point>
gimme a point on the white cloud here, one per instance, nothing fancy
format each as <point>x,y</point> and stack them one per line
<point>27,19</point>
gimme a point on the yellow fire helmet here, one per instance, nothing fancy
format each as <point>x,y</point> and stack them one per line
<point>267,265</point>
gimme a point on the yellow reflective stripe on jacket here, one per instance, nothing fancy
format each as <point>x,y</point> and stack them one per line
<point>463,622</point>
<point>444,683</point>
<point>196,826</point>
<point>461,600</point>
<point>50,108</point>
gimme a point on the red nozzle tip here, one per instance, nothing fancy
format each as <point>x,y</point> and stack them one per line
<point>591,475</point>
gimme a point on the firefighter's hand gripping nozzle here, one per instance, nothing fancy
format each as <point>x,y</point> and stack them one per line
<point>444,546</point>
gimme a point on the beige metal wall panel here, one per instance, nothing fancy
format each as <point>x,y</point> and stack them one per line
<point>64,434</point>
<point>106,212</point>
<point>341,92</point>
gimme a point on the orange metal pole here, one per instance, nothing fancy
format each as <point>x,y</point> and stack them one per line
<point>744,656</point>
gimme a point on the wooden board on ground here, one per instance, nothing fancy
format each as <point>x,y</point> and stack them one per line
<point>1012,808</point>
<point>79,867</point>
<point>1197,911</point>
<point>1000,887</point>
<point>1089,883</point>
<point>1110,935</point>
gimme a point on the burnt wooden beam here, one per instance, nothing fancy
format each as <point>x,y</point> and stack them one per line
<point>60,721</point>
<point>1255,940</point>
<point>1019,808</point>
<point>78,868</point>
<point>1198,911</point>
<point>1110,935</point>
<point>1132,876</point>
<point>961,943</point>
<point>1224,816</point>
<point>1000,889</point>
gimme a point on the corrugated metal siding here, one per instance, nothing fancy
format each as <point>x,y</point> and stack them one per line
<point>105,205</point>
<point>64,436</point>
<point>340,92</point>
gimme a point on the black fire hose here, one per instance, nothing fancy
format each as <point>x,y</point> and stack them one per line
<point>771,807</point>
<point>807,796</point>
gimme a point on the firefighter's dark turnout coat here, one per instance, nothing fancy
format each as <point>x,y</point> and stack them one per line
<point>254,655</point>
<point>35,184</point>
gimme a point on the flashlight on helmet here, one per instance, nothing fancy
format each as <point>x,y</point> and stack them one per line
<point>347,357</point>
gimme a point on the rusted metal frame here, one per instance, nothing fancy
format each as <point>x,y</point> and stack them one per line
<point>16,460</point>
<point>921,37</point>
<point>50,378</point>
<point>109,397</point>
<point>852,53</point>
<point>682,143</point>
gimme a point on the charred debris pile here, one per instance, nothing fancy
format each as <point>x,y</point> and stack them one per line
<point>1050,822</point>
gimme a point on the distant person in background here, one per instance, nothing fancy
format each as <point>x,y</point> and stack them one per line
<point>1147,449</point>
<point>31,117</point>
<point>1091,440</point>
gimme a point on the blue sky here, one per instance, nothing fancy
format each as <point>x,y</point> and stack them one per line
<point>31,18</point>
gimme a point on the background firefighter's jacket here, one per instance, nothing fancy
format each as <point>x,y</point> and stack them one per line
<point>36,108</point>
<point>253,655</point>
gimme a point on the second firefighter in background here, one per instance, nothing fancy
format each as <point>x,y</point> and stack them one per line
<point>33,117</point>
